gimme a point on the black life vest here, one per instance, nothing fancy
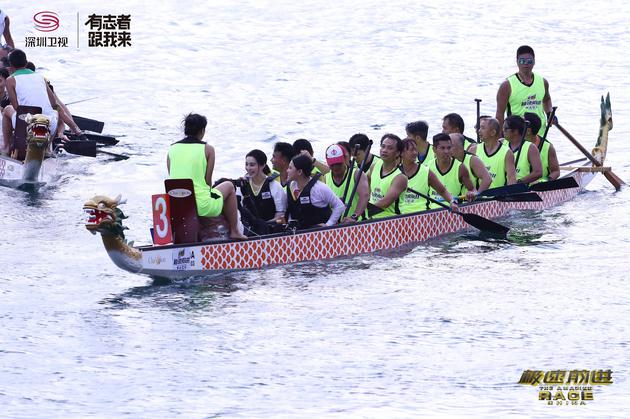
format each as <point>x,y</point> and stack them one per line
<point>301,209</point>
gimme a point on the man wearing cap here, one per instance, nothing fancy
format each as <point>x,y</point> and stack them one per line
<point>342,184</point>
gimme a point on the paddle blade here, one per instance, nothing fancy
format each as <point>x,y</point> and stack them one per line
<point>372,210</point>
<point>504,190</point>
<point>520,197</point>
<point>87,124</point>
<point>81,148</point>
<point>99,138</point>
<point>552,185</point>
<point>485,225</point>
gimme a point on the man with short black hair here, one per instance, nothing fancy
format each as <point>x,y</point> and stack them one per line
<point>304,146</point>
<point>418,131</point>
<point>526,156</point>
<point>524,91</point>
<point>453,123</point>
<point>280,159</point>
<point>548,156</point>
<point>362,141</point>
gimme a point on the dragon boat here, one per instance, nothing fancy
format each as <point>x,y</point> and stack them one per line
<point>30,168</point>
<point>180,260</point>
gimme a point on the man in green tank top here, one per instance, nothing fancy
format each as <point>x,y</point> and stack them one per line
<point>387,181</point>
<point>495,155</point>
<point>453,123</point>
<point>524,91</point>
<point>479,175</point>
<point>339,182</point>
<point>526,156</point>
<point>548,156</point>
<point>193,159</point>
<point>418,131</point>
<point>449,171</point>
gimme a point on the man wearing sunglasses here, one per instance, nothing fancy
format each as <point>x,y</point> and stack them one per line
<point>524,91</point>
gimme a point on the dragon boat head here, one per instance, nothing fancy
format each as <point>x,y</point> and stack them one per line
<point>37,130</point>
<point>104,216</point>
<point>605,125</point>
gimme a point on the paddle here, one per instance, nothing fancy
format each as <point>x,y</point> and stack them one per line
<point>87,124</point>
<point>478,116</point>
<point>612,178</point>
<point>82,100</point>
<point>519,197</point>
<point>99,138</point>
<point>345,190</point>
<point>477,221</point>
<point>85,148</point>
<point>520,147</point>
<point>552,185</point>
<point>504,190</point>
<point>356,183</point>
<point>549,122</point>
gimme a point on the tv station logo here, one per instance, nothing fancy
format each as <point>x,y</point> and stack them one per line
<point>46,21</point>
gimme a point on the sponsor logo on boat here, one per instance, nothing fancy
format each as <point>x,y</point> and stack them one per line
<point>179,193</point>
<point>566,387</point>
<point>156,260</point>
<point>183,259</point>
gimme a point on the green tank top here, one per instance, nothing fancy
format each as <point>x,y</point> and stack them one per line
<point>523,168</point>
<point>525,98</point>
<point>188,161</point>
<point>494,163</point>
<point>339,189</point>
<point>450,180</point>
<point>379,185</point>
<point>427,157</point>
<point>419,182</point>
<point>474,179</point>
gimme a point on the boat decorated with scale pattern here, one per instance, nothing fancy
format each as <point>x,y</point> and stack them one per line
<point>205,258</point>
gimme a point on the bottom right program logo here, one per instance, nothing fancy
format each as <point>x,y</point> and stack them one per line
<point>566,387</point>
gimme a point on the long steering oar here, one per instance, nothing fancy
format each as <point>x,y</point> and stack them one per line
<point>477,221</point>
<point>612,178</point>
<point>356,183</point>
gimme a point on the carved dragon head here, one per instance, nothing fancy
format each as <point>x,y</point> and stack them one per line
<point>37,130</point>
<point>605,125</point>
<point>104,216</point>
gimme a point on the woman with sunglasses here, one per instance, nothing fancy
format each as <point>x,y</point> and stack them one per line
<point>524,91</point>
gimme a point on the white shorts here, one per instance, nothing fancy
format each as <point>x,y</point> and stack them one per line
<point>53,122</point>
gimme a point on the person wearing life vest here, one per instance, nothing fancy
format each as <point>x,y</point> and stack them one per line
<point>453,123</point>
<point>524,91</point>
<point>338,181</point>
<point>526,161</point>
<point>362,141</point>
<point>418,132</point>
<point>280,159</point>
<point>479,175</point>
<point>495,154</point>
<point>387,181</point>
<point>263,201</point>
<point>548,156</point>
<point>450,172</point>
<point>420,179</point>
<point>310,203</point>
<point>194,159</point>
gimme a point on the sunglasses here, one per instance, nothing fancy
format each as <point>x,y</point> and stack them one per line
<point>526,61</point>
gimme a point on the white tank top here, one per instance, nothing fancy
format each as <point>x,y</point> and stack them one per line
<point>31,91</point>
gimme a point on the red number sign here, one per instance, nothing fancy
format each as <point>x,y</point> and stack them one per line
<point>161,219</point>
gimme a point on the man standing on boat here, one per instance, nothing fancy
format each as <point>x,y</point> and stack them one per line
<point>479,175</point>
<point>338,181</point>
<point>548,156</point>
<point>280,159</point>
<point>453,123</point>
<point>192,158</point>
<point>6,32</point>
<point>387,180</point>
<point>524,91</point>
<point>418,132</point>
<point>449,171</point>
<point>526,156</point>
<point>495,155</point>
<point>363,142</point>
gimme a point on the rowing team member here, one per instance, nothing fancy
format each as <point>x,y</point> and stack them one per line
<point>342,180</point>
<point>5,32</point>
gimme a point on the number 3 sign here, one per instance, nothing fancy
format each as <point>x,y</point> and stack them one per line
<point>161,219</point>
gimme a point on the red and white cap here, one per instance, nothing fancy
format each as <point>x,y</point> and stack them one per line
<point>335,154</point>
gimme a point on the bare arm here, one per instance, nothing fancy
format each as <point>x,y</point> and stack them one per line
<point>7,33</point>
<point>503,95</point>
<point>210,165</point>
<point>547,99</point>
<point>464,179</point>
<point>554,167</point>
<point>480,171</point>
<point>509,167</point>
<point>65,115</point>
<point>10,85</point>
<point>398,186</point>
<point>533,156</point>
<point>168,164</point>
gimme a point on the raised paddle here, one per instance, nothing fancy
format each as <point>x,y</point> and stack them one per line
<point>87,124</point>
<point>612,178</point>
<point>549,122</point>
<point>477,221</point>
<point>478,117</point>
<point>345,190</point>
<point>356,183</point>
<point>520,147</point>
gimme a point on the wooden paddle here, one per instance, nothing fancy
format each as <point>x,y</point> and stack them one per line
<point>356,183</point>
<point>477,221</point>
<point>612,178</point>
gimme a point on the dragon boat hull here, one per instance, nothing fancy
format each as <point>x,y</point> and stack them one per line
<point>180,261</point>
<point>15,174</point>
